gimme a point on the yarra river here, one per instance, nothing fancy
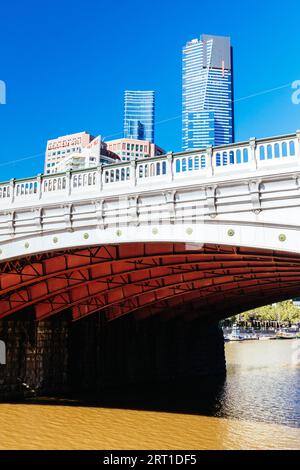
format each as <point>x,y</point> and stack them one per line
<point>256,407</point>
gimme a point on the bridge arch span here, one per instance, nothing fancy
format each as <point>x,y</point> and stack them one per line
<point>264,235</point>
<point>145,279</point>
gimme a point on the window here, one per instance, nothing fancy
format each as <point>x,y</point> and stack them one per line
<point>276,151</point>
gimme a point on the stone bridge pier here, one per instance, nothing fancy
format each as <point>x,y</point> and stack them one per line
<point>57,356</point>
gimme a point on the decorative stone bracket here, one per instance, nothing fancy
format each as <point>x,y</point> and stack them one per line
<point>211,201</point>
<point>170,203</point>
<point>254,189</point>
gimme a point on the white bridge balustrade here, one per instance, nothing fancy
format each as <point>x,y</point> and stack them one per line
<point>255,155</point>
<point>247,194</point>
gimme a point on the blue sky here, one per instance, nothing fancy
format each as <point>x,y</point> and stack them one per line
<point>67,63</point>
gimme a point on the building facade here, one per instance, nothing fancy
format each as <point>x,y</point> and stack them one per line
<point>207,94</point>
<point>76,152</point>
<point>127,149</point>
<point>139,115</point>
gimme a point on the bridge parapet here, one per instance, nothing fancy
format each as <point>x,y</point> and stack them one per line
<point>173,169</point>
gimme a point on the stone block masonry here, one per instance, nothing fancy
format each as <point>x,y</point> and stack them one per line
<point>36,356</point>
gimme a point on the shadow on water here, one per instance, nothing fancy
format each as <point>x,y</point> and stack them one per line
<point>198,396</point>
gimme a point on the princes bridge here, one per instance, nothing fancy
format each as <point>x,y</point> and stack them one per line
<point>164,246</point>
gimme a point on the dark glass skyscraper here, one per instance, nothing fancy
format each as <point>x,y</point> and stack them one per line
<point>207,96</point>
<point>139,114</point>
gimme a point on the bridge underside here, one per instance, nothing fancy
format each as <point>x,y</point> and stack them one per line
<point>147,279</point>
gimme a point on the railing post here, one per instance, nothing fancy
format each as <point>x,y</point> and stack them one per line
<point>39,186</point>
<point>209,158</point>
<point>298,143</point>
<point>68,183</point>
<point>253,159</point>
<point>12,190</point>
<point>170,166</point>
<point>99,183</point>
<point>133,171</point>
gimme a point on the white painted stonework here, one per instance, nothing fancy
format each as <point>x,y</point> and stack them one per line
<point>226,195</point>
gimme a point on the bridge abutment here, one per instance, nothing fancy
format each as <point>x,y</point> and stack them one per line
<point>127,352</point>
<point>36,356</point>
<point>56,356</point>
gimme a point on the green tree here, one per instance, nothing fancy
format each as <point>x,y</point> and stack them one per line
<point>281,311</point>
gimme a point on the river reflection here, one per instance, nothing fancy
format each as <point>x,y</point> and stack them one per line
<point>263,382</point>
<point>255,407</point>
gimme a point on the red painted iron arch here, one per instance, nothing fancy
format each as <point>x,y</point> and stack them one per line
<point>147,279</point>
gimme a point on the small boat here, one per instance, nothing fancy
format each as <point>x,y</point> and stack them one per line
<point>266,338</point>
<point>249,336</point>
<point>235,335</point>
<point>285,334</point>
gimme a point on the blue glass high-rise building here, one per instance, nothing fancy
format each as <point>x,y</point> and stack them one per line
<point>207,97</point>
<point>139,115</point>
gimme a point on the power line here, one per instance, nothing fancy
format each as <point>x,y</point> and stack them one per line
<point>22,159</point>
<point>264,92</point>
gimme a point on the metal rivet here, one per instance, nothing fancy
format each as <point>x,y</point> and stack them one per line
<point>155,231</point>
<point>189,231</point>
<point>231,232</point>
<point>282,237</point>
<point>119,233</point>
<point>55,240</point>
<point>85,236</point>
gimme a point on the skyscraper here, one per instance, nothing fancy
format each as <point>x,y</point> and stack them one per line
<point>207,95</point>
<point>139,113</point>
